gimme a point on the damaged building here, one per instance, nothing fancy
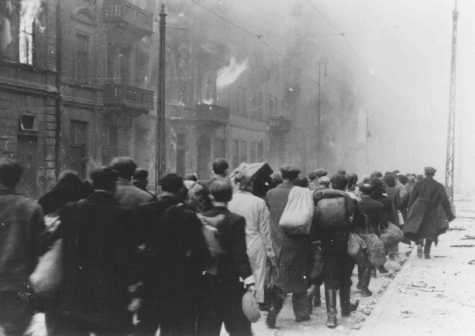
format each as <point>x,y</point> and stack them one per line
<point>78,83</point>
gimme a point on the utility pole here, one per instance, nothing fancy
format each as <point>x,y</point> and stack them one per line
<point>450,159</point>
<point>322,70</point>
<point>58,103</point>
<point>161,148</point>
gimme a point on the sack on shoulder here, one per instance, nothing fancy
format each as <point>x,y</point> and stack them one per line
<point>48,273</point>
<point>298,212</point>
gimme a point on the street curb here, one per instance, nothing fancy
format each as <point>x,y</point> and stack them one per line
<point>374,318</point>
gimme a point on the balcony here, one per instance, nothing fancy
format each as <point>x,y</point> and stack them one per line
<point>209,114</point>
<point>279,124</point>
<point>118,95</point>
<point>128,18</point>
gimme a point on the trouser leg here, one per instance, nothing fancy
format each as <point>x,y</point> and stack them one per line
<point>330,301</point>
<point>16,312</point>
<point>277,298</point>
<point>235,322</point>
<point>301,306</point>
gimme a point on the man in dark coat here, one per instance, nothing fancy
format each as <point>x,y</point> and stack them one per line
<point>21,226</point>
<point>175,255</point>
<point>338,265</point>
<point>370,220</point>
<point>429,209</point>
<point>93,296</point>
<point>223,290</point>
<point>292,254</point>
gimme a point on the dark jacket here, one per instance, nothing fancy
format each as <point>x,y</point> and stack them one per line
<point>21,228</point>
<point>429,209</point>
<point>234,262</point>
<point>94,290</point>
<point>372,217</point>
<point>176,251</point>
<point>292,252</point>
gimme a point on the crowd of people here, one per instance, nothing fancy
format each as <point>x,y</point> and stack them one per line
<point>107,256</point>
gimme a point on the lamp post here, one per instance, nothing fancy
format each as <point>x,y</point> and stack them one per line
<point>322,72</point>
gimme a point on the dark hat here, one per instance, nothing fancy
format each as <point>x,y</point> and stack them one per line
<point>430,171</point>
<point>290,169</point>
<point>171,183</point>
<point>320,172</point>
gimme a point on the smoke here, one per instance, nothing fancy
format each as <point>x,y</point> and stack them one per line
<point>5,25</point>
<point>228,74</point>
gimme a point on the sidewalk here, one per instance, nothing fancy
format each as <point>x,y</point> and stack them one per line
<point>432,297</point>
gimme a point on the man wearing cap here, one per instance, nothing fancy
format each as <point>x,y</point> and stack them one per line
<point>291,252</point>
<point>429,209</point>
<point>315,176</point>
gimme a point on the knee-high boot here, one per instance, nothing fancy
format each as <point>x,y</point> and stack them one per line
<point>330,300</point>
<point>276,304</point>
<point>365,280</point>
<point>345,302</point>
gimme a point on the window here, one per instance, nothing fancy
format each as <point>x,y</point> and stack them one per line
<point>253,153</point>
<point>235,153</point>
<point>78,147</point>
<point>243,151</point>
<point>82,58</point>
<point>260,151</point>
<point>219,148</point>
<point>25,37</point>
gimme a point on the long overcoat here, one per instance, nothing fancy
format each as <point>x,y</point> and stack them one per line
<point>258,239</point>
<point>429,209</point>
<point>292,252</point>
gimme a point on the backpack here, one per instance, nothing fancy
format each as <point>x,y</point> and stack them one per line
<point>298,212</point>
<point>333,210</point>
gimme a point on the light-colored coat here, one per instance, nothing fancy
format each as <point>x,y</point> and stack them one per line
<point>258,240</point>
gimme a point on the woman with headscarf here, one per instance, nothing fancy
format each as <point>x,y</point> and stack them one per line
<point>258,240</point>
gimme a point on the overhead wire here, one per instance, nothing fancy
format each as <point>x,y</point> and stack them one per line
<point>257,36</point>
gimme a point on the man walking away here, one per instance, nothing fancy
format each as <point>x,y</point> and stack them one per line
<point>335,210</point>
<point>127,194</point>
<point>176,254</point>
<point>292,252</point>
<point>221,303</point>
<point>93,296</point>
<point>429,210</point>
<point>369,221</point>
<point>21,224</point>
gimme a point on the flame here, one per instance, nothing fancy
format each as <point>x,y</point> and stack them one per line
<point>207,101</point>
<point>228,74</point>
<point>30,10</point>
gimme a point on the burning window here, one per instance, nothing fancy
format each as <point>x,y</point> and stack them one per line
<point>30,11</point>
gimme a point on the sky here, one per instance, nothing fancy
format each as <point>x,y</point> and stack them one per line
<point>402,52</point>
